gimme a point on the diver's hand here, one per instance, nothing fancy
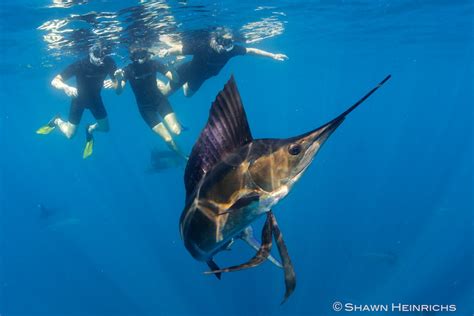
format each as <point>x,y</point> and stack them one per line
<point>119,74</point>
<point>70,91</point>
<point>280,57</point>
<point>109,84</point>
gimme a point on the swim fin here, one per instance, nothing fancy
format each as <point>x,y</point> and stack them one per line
<point>88,149</point>
<point>89,144</point>
<point>48,128</point>
<point>45,130</point>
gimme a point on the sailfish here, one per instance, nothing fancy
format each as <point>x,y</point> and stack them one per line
<point>232,179</point>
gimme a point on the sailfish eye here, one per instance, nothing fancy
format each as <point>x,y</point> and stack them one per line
<point>294,149</point>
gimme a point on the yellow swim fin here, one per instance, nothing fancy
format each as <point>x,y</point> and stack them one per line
<point>48,128</point>
<point>88,149</point>
<point>45,130</point>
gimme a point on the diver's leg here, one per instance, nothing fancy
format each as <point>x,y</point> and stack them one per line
<point>161,130</point>
<point>173,124</point>
<point>100,114</point>
<point>101,125</point>
<point>290,277</point>
<point>68,128</point>
<point>149,114</point>
<point>262,253</point>
<point>168,115</point>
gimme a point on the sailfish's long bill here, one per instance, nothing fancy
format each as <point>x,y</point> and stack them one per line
<point>232,179</point>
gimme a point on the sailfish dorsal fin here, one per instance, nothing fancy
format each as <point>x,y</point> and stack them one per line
<point>226,130</point>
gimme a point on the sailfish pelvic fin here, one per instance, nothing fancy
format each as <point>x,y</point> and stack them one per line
<point>260,256</point>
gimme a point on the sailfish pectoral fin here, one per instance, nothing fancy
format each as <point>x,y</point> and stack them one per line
<point>214,267</point>
<point>261,255</point>
<point>248,237</point>
<point>290,277</point>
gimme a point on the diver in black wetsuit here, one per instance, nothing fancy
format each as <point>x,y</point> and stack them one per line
<point>210,54</point>
<point>90,73</point>
<point>154,107</point>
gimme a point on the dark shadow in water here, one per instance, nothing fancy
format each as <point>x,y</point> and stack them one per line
<point>161,160</point>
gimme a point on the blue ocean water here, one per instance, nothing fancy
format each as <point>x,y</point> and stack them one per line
<point>383,215</point>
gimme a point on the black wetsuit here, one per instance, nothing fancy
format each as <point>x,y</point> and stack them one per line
<point>89,79</point>
<point>205,64</point>
<point>150,100</point>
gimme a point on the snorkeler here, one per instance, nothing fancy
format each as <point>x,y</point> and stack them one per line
<point>153,106</point>
<point>210,54</point>
<point>90,73</point>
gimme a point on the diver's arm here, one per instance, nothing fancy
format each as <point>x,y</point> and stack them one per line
<point>259,52</point>
<point>59,84</point>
